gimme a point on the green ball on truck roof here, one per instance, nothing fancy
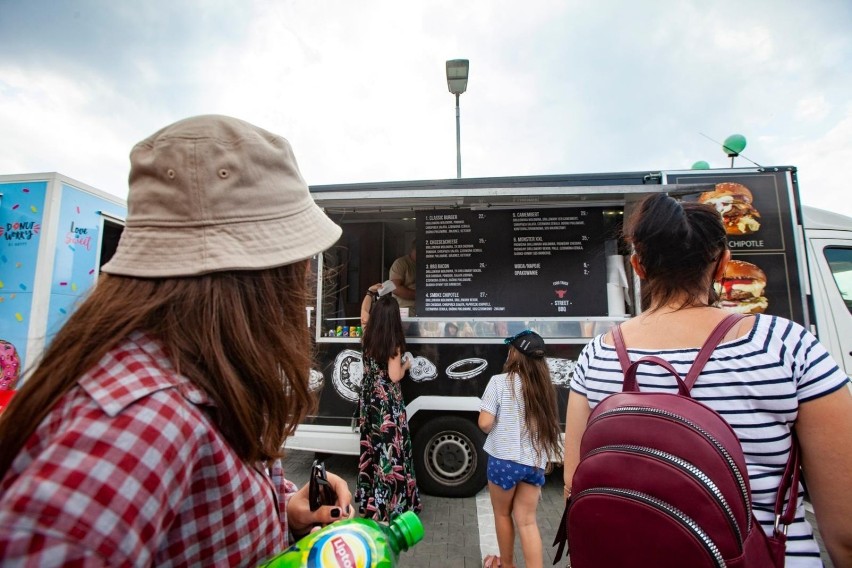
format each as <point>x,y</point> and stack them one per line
<point>734,145</point>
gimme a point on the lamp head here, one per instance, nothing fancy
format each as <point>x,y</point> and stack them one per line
<point>457,71</point>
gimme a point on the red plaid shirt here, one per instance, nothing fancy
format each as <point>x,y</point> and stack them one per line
<point>128,469</point>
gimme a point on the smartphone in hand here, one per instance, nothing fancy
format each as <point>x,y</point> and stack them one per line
<point>319,489</point>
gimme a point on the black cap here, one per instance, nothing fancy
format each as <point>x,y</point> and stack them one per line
<point>527,342</point>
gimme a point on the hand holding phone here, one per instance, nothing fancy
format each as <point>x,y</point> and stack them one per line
<point>319,490</point>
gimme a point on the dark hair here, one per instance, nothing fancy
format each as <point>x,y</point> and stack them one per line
<point>677,244</point>
<point>234,334</point>
<point>383,336</point>
<point>540,413</point>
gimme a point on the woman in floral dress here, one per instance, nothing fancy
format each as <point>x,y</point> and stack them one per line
<point>386,483</point>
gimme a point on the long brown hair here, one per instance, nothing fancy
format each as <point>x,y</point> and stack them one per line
<point>383,335</point>
<point>540,414</point>
<point>240,336</point>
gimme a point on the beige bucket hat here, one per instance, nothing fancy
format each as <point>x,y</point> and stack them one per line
<point>213,193</point>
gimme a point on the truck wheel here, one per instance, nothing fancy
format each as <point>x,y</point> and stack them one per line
<point>448,457</point>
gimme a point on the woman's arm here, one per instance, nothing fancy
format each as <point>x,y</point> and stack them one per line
<point>397,367</point>
<point>575,424</point>
<point>367,302</point>
<point>824,428</point>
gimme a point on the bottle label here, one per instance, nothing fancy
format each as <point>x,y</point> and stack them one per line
<point>343,549</point>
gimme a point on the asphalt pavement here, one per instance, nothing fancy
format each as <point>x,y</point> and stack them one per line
<point>458,532</point>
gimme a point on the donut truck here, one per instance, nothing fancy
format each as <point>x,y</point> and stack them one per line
<point>497,255</point>
<point>55,234</point>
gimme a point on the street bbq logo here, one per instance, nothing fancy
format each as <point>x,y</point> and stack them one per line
<point>560,288</point>
<point>20,231</point>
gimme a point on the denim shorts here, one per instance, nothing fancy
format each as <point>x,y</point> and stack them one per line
<point>507,473</point>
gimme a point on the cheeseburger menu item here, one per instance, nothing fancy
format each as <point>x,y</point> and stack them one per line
<point>741,288</point>
<point>734,202</point>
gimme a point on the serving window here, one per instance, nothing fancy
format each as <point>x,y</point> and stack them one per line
<point>482,271</point>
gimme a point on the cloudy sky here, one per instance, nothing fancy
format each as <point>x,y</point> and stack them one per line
<point>556,86</point>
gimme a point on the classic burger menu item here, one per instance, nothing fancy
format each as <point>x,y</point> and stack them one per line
<point>741,288</point>
<point>523,263</point>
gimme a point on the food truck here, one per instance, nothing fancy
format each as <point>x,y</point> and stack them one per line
<point>55,234</point>
<point>497,255</point>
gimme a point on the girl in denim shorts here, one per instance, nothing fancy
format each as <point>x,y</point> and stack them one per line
<point>518,411</point>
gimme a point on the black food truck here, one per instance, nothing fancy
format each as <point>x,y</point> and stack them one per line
<point>497,255</point>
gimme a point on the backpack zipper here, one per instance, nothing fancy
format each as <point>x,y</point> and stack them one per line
<point>731,464</point>
<point>688,468</point>
<point>669,510</point>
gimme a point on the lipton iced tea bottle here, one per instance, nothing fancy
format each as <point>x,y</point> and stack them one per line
<point>353,543</point>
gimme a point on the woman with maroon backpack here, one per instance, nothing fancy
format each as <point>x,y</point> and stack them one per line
<point>767,377</point>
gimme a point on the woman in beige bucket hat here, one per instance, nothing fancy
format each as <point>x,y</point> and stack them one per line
<point>151,431</point>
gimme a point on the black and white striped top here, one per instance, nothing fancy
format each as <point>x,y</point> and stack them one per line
<point>757,383</point>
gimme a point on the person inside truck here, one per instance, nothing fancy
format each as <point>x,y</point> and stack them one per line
<point>770,364</point>
<point>151,432</point>
<point>403,273</point>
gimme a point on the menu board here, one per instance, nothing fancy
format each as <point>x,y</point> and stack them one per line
<point>522,263</point>
<point>759,225</point>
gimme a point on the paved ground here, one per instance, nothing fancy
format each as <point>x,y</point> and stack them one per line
<point>453,535</point>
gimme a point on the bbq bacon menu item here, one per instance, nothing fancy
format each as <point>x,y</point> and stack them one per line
<point>522,263</point>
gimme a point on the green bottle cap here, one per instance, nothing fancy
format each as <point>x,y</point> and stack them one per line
<point>410,528</point>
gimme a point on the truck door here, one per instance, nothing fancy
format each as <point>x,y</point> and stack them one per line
<point>832,282</point>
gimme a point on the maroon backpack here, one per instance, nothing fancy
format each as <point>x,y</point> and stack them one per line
<point>662,481</point>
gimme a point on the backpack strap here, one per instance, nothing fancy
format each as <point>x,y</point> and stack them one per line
<point>630,383</point>
<point>789,481</point>
<point>709,346</point>
<point>620,349</point>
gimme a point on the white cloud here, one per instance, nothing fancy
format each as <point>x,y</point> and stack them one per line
<point>359,88</point>
<point>813,108</point>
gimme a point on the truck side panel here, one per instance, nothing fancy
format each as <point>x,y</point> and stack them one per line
<point>21,228</point>
<point>77,259</point>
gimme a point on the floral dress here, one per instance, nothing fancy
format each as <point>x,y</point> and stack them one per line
<point>386,483</point>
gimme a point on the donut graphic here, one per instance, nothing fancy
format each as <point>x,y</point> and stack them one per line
<point>10,366</point>
<point>348,374</point>
<point>316,380</point>
<point>561,371</point>
<point>422,369</point>
<point>466,368</point>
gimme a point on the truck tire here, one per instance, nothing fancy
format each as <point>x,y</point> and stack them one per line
<point>448,457</point>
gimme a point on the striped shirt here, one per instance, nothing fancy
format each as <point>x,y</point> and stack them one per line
<point>757,383</point>
<point>509,439</point>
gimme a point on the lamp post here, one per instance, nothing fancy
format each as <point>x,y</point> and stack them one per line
<point>457,70</point>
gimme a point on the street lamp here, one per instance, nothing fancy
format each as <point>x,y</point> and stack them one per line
<point>457,70</point>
